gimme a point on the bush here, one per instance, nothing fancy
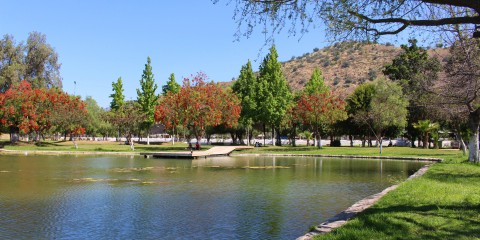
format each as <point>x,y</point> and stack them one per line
<point>336,81</point>
<point>336,143</point>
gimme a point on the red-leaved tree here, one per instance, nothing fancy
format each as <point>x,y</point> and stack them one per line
<point>321,110</point>
<point>198,105</point>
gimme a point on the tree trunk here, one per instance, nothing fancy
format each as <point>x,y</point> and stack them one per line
<point>425,140</point>
<point>381,145</point>
<point>14,131</point>
<point>273,136</point>
<point>460,140</point>
<point>264,134</point>
<point>473,122</point>
<point>351,140</point>
<point>148,139</point>
<point>293,137</point>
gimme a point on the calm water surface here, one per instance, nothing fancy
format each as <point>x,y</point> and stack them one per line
<point>110,197</point>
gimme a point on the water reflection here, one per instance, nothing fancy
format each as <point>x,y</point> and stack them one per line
<point>67,197</point>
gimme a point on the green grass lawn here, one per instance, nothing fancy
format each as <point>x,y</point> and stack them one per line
<point>449,155</point>
<point>94,146</point>
<point>442,204</point>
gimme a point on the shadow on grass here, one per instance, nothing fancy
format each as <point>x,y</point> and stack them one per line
<point>50,144</point>
<point>470,177</point>
<point>418,222</point>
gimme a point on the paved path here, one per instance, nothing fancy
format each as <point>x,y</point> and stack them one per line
<point>212,152</point>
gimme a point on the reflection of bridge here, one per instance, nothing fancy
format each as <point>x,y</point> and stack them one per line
<point>212,152</point>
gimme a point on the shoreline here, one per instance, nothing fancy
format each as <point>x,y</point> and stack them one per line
<point>342,218</point>
<point>47,152</point>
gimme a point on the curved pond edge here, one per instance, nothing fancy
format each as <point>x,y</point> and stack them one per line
<point>341,218</point>
<point>41,152</point>
<point>423,159</point>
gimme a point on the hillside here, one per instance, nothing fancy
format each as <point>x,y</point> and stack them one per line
<point>345,65</point>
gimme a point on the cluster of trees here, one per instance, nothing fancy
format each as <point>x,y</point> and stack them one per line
<point>369,20</point>
<point>36,112</point>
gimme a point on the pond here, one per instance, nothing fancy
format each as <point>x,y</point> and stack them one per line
<point>124,197</point>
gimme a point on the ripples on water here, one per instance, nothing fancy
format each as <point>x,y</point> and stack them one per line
<point>68,197</point>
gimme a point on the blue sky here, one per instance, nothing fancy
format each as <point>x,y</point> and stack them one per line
<point>99,41</point>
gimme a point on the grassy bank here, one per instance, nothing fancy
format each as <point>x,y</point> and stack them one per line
<point>442,204</point>
<point>94,146</point>
<point>449,155</point>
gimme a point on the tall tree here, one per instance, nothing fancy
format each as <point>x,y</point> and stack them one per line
<point>117,103</point>
<point>118,99</point>
<point>273,94</point>
<point>147,98</point>
<point>245,88</point>
<point>11,62</point>
<point>316,84</point>
<point>171,86</point>
<point>199,105</point>
<point>96,124</point>
<point>360,101</point>
<point>460,89</point>
<point>388,109</point>
<point>321,110</point>
<point>36,62</point>
<point>363,19</point>
<point>413,69</point>
<point>42,67</point>
<point>129,117</point>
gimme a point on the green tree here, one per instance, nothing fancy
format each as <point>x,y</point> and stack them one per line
<point>41,62</point>
<point>96,123</point>
<point>360,101</point>
<point>118,99</point>
<point>316,84</point>
<point>273,94</point>
<point>388,109</point>
<point>245,89</point>
<point>413,69</point>
<point>36,62</point>
<point>11,62</point>
<point>171,86</point>
<point>117,103</point>
<point>426,127</point>
<point>129,117</point>
<point>147,98</point>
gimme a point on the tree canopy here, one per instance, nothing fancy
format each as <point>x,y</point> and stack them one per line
<point>171,86</point>
<point>352,19</point>
<point>36,62</point>
<point>118,99</point>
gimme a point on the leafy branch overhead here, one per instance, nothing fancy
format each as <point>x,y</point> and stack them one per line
<point>352,19</point>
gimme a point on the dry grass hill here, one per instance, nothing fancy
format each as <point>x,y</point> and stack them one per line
<point>345,65</point>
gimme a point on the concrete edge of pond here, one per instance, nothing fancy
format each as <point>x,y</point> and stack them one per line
<point>341,218</point>
<point>41,152</point>
<point>340,156</point>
